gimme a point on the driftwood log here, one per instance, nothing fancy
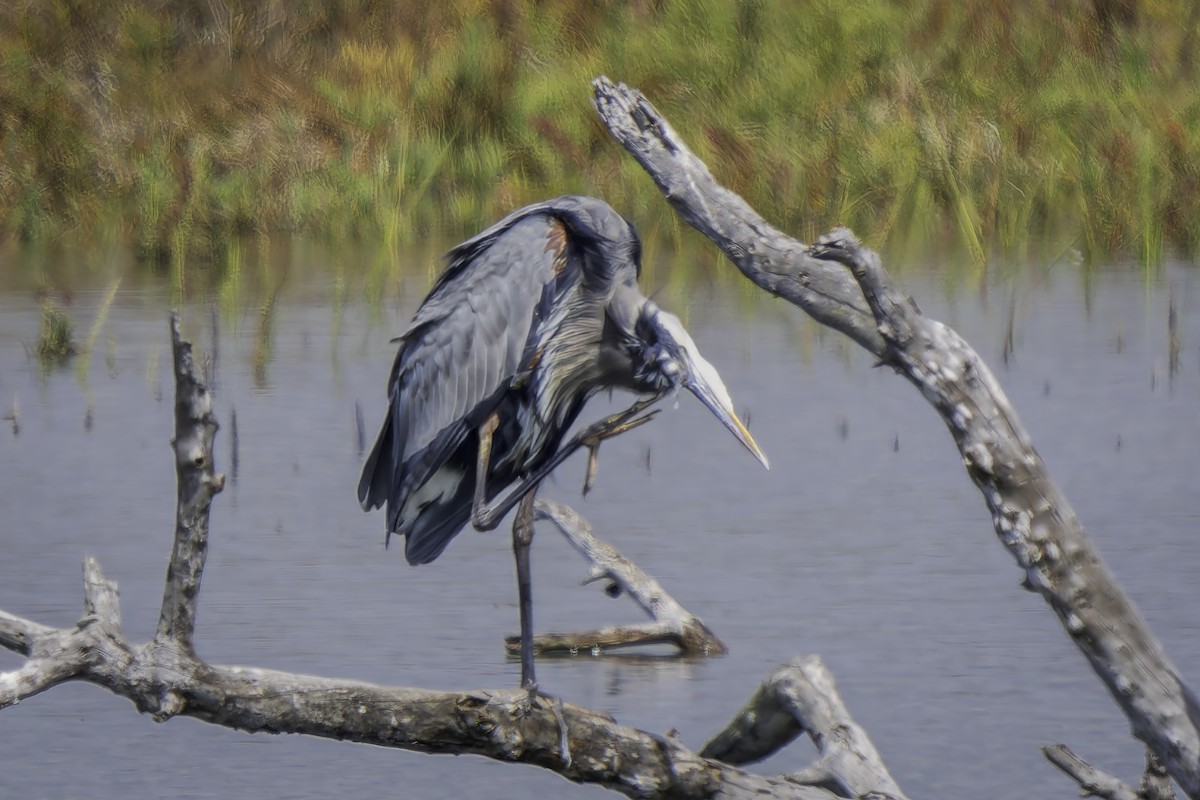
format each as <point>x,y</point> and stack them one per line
<point>843,285</point>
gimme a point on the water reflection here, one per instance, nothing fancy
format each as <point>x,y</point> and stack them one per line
<point>865,543</point>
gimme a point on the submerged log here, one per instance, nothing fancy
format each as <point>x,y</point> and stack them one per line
<point>672,623</point>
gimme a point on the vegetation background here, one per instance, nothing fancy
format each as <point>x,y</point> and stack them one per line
<point>173,125</point>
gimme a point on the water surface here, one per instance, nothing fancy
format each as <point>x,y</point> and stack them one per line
<point>865,543</point>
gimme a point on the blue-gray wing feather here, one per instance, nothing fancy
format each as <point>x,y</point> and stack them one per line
<point>510,326</point>
<point>461,351</point>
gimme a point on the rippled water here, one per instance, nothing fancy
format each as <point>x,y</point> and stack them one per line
<point>865,543</point>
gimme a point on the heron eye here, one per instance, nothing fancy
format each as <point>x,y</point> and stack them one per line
<point>670,367</point>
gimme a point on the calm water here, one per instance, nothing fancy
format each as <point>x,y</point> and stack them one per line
<point>878,557</point>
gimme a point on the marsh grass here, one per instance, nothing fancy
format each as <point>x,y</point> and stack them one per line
<point>55,344</point>
<point>977,125</point>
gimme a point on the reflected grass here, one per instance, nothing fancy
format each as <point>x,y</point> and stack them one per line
<point>372,292</point>
<point>85,354</point>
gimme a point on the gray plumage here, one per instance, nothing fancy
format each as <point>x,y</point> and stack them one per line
<point>530,318</point>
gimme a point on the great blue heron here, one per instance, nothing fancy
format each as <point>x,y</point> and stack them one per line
<point>529,319</point>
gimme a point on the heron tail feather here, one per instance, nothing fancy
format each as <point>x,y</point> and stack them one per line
<point>375,485</point>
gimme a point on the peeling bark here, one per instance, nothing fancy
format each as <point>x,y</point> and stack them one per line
<point>198,483</point>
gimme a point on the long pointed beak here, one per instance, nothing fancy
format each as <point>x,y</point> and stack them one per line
<point>704,382</point>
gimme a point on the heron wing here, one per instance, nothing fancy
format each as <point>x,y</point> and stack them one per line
<point>462,352</point>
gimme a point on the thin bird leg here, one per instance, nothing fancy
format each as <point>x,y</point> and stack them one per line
<point>522,533</point>
<point>486,517</point>
<point>589,474</point>
<point>482,465</point>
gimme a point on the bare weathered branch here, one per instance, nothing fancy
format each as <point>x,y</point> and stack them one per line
<point>801,698</point>
<point>100,596</point>
<point>198,483</point>
<point>1092,782</point>
<point>18,634</point>
<point>1031,515</point>
<point>508,725</point>
<point>672,624</point>
<point>55,655</point>
<point>33,677</point>
<point>775,262</point>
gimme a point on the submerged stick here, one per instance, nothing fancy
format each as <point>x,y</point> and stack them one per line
<point>672,623</point>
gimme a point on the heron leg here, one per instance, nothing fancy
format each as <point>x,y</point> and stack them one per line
<point>486,517</point>
<point>522,532</point>
<point>481,516</point>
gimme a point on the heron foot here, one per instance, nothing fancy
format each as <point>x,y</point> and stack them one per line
<point>618,423</point>
<point>592,443</point>
<point>556,709</point>
<point>611,426</point>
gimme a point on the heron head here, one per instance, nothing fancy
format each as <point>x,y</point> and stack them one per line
<point>670,359</point>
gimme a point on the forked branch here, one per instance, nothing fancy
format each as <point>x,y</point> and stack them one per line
<point>671,623</point>
<point>1030,514</point>
<point>801,698</point>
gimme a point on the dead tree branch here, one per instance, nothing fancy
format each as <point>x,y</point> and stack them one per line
<point>801,698</point>
<point>1030,514</point>
<point>1155,783</point>
<point>165,677</point>
<point>198,483</point>
<point>672,623</point>
<point>1092,782</point>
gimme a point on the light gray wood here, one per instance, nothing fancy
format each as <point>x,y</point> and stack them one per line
<point>801,698</point>
<point>1031,516</point>
<point>1092,782</point>
<point>1154,785</point>
<point>197,484</point>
